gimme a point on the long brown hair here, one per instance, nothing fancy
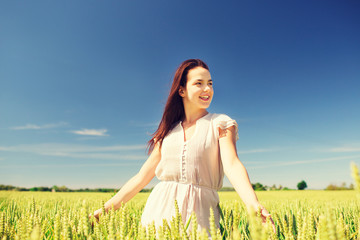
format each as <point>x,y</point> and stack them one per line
<point>174,108</point>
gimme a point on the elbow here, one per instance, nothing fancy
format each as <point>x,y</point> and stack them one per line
<point>138,178</point>
<point>142,179</point>
<point>229,172</point>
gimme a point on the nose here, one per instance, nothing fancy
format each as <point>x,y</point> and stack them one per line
<point>207,88</point>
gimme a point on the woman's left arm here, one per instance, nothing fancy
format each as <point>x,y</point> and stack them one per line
<point>237,173</point>
<point>234,169</point>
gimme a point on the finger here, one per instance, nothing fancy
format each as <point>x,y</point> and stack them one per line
<point>265,211</point>
<point>266,215</point>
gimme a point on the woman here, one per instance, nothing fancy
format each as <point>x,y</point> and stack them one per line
<point>189,153</point>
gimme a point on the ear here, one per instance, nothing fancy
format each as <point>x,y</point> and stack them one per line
<point>181,92</point>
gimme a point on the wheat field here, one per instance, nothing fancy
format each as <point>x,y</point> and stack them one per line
<point>297,215</point>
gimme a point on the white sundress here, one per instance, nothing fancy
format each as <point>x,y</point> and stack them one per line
<point>191,172</point>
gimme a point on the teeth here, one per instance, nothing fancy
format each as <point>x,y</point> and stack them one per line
<point>205,97</point>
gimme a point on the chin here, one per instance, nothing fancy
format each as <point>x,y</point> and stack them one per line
<point>205,106</point>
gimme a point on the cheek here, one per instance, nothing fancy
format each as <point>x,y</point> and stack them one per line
<point>212,91</point>
<point>195,92</point>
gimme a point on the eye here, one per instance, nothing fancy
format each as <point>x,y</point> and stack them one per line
<point>210,83</point>
<point>198,83</point>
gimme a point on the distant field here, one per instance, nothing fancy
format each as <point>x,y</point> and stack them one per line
<point>297,214</point>
<point>319,195</point>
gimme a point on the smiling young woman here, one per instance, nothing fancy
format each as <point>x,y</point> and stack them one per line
<point>190,152</point>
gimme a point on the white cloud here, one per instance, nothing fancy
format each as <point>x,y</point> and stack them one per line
<point>351,147</point>
<point>345,149</point>
<point>70,165</point>
<point>73,148</point>
<point>37,127</point>
<point>277,164</point>
<point>91,132</point>
<point>114,152</point>
<point>108,156</point>
<point>258,150</point>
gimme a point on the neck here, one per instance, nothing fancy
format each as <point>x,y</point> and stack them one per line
<point>191,115</point>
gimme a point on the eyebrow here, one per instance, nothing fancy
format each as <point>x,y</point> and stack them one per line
<point>203,80</point>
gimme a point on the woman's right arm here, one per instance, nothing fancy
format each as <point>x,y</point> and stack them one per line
<point>136,183</point>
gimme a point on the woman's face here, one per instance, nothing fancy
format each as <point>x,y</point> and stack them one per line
<point>199,90</point>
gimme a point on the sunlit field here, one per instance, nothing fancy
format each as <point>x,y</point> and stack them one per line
<point>297,215</point>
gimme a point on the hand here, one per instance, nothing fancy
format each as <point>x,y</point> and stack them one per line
<point>96,216</point>
<point>264,215</point>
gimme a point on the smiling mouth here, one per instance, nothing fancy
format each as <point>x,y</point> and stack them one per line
<point>205,98</point>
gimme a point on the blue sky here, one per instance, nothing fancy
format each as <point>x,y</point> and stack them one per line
<point>83,85</point>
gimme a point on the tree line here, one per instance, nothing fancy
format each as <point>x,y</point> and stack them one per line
<point>55,189</point>
<point>256,186</point>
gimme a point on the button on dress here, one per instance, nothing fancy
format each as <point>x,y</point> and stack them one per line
<point>190,172</point>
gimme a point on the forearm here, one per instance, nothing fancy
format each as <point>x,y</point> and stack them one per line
<point>135,184</point>
<point>239,178</point>
<point>127,192</point>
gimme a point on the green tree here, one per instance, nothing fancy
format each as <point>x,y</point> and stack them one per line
<point>302,185</point>
<point>63,189</point>
<point>258,187</point>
